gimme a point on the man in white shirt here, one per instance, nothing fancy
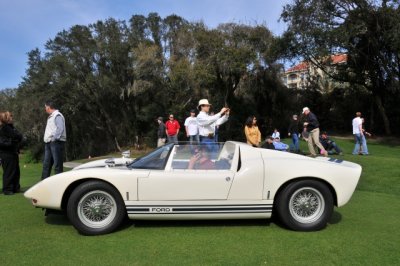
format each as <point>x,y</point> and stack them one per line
<point>358,135</point>
<point>207,123</point>
<point>54,138</point>
<point>192,130</point>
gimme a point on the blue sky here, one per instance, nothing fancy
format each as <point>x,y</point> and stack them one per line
<point>27,24</point>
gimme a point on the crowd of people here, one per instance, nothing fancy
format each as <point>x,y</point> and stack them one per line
<point>203,128</point>
<point>317,143</point>
<point>199,129</point>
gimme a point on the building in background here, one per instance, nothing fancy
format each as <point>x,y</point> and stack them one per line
<point>305,73</point>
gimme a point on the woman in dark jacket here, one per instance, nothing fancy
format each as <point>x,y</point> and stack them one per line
<point>10,139</point>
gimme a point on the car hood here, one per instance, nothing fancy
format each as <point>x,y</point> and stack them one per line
<point>110,162</point>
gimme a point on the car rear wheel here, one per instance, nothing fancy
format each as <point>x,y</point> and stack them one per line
<point>305,205</point>
<point>95,208</point>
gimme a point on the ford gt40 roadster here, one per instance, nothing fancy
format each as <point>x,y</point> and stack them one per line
<point>230,180</point>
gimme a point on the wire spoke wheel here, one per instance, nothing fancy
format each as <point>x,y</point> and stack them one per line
<point>306,205</point>
<point>97,209</point>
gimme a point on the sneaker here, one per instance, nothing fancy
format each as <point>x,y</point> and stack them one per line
<point>8,193</point>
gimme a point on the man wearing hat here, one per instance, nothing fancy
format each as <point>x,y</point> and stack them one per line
<point>161,132</point>
<point>207,123</point>
<point>312,127</point>
<point>192,130</point>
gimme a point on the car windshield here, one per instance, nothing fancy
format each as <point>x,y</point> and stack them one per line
<point>208,156</point>
<point>153,160</point>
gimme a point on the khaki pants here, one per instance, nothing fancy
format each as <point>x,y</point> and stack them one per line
<point>313,140</point>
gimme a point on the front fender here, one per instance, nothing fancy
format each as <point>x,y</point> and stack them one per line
<point>49,192</point>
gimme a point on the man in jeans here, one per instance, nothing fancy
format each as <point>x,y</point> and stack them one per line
<point>294,133</point>
<point>172,129</point>
<point>192,130</point>
<point>312,127</point>
<point>54,138</point>
<point>359,135</point>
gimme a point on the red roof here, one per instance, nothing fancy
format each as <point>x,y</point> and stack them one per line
<point>339,58</point>
<point>335,59</point>
<point>299,67</point>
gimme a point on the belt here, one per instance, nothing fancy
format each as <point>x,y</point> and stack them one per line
<point>210,135</point>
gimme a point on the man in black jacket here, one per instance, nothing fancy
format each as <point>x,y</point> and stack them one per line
<point>312,127</point>
<point>330,146</point>
<point>161,132</point>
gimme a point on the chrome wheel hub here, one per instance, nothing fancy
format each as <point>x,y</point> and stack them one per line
<point>97,209</point>
<point>306,205</point>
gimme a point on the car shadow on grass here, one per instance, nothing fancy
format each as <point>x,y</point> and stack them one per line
<point>196,223</point>
<point>336,218</point>
<point>57,218</point>
<point>62,219</point>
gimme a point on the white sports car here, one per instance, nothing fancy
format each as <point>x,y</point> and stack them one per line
<point>213,181</point>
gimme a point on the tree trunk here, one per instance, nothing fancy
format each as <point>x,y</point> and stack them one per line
<point>381,109</point>
<point>117,144</point>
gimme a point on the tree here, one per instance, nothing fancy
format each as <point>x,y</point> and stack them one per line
<point>112,79</point>
<point>364,29</point>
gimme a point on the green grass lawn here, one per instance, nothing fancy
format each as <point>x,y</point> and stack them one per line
<point>363,232</point>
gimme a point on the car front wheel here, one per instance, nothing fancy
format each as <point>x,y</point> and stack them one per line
<point>305,205</point>
<point>95,208</point>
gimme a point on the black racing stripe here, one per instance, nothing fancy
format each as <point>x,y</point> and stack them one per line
<point>221,209</point>
<point>138,209</point>
<point>185,209</point>
<point>210,205</point>
<point>202,212</point>
<point>207,208</point>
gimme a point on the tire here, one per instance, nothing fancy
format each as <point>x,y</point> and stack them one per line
<point>95,208</point>
<point>305,205</point>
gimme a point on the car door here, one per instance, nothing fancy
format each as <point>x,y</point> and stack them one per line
<point>186,185</point>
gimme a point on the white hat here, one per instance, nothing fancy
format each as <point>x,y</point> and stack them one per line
<point>305,109</point>
<point>203,102</point>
